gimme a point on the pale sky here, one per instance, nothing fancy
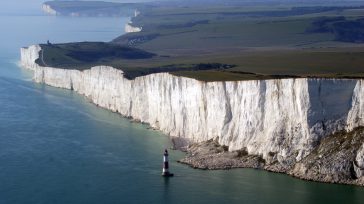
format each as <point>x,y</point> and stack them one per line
<point>25,7</point>
<point>32,7</point>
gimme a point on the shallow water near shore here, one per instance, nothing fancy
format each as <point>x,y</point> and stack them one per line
<point>56,147</point>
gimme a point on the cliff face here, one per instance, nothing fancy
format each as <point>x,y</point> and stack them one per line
<point>49,10</point>
<point>131,29</point>
<point>29,55</point>
<point>281,120</point>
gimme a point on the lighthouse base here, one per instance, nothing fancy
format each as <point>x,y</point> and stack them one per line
<point>167,174</point>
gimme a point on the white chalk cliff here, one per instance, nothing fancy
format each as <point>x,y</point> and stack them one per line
<point>131,29</point>
<point>286,117</point>
<point>49,10</point>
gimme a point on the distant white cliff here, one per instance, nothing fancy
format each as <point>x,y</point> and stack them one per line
<point>49,10</point>
<point>281,117</point>
<point>131,29</point>
<point>136,13</point>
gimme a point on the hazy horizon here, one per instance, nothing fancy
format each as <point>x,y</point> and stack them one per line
<point>33,7</point>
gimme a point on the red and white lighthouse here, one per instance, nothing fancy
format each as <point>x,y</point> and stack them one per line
<point>165,172</point>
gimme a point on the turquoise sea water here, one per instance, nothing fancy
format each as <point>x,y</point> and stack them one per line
<point>56,147</point>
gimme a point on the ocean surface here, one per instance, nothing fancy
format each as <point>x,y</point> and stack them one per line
<point>56,147</point>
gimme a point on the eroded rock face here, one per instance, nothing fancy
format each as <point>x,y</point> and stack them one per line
<point>338,158</point>
<point>358,163</point>
<point>211,155</point>
<point>282,121</point>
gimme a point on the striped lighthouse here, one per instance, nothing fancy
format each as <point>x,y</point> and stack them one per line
<point>165,172</point>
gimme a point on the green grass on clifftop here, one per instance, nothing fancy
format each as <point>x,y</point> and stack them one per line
<point>222,43</point>
<point>85,54</point>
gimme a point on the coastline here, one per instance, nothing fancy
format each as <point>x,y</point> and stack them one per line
<point>168,103</point>
<point>210,155</point>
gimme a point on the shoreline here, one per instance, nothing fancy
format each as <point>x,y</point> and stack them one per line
<point>155,99</point>
<point>210,155</point>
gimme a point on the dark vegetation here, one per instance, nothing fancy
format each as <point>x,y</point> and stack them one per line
<point>323,24</point>
<point>184,25</point>
<point>135,39</point>
<point>345,30</point>
<point>295,11</point>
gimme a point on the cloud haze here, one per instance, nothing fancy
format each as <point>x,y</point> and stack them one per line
<point>25,7</point>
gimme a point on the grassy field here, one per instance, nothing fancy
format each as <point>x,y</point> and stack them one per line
<point>84,55</point>
<point>256,42</point>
